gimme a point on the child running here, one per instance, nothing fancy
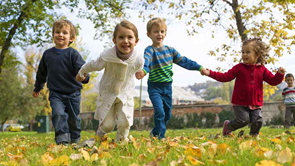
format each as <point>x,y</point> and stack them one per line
<point>247,97</point>
<point>289,100</point>
<point>159,59</point>
<point>58,67</point>
<point>115,104</point>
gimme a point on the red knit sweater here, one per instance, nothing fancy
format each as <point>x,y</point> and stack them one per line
<point>248,89</point>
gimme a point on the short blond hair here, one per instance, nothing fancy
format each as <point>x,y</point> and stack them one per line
<point>128,25</point>
<point>157,22</point>
<point>65,23</point>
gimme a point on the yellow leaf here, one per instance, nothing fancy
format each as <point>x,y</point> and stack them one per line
<point>196,152</point>
<point>194,161</point>
<point>261,152</point>
<point>267,163</point>
<point>285,156</point>
<point>223,148</point>
<point>45,158</point>
<point>105,155</point>
<point>61,160</point>
<point>172,143</point>
<point>247,145</point>
<point>85,154</point>
<point>94,157</point>
<point>212,151</point>
<point>276,140</point>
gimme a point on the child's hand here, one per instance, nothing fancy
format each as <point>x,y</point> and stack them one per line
<point>36,94</point>
<point>205,72</point>
<point>80,79</point>
<point>140,74</point>
<point>282,70</point>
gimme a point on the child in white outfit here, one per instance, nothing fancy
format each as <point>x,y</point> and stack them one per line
<point>115,104</point>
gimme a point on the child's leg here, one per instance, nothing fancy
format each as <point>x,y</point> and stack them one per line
<point>155,93</point>
<point>167,102</point>
<point>288,114</point>
<point>108,124</point>
<point>293,112</point>
<point>256,121</point>
<point>123,126</point>
<point>74,121</point>
<point>241,118</point>
<point>59,118</point>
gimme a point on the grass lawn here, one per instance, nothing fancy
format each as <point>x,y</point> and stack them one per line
<point>182,147</point>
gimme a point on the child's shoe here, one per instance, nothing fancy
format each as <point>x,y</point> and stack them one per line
<point>225,131</point>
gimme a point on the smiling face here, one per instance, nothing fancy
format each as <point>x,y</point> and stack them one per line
<point>157,34</point>
<point>125,40</point>
<point>249,55</point>
<point>61,37</point>
<point>290,81</point>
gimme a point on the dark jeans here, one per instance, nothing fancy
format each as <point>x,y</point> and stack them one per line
<point>244,116</point>
<point>288,116</point>
<point>65,116</point>
<point>161,98</point>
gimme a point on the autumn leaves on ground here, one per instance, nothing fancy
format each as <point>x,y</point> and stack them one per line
<point>182,147</point>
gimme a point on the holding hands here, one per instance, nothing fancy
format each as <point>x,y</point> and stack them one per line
<point>80,79</point>
<point>205,71</point>
<point>140,74</point>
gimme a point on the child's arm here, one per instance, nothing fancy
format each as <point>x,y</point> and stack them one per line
<point>94,65</point>
<point>146,64</point>
<point>40,77</point>
<point>225,77</point>
<point>274,79</point>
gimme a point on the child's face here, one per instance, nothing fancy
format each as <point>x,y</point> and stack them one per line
<point>248,54</point>
<point>125,40</point>
<point>289,81</point>
<point>61,37</point>
<point>157,34</point>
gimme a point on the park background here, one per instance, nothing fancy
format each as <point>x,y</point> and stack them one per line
<point>208,32</point>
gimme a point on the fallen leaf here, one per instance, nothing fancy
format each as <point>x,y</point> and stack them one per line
<point>194,161</point>
<point>276,140</point>
<point>75,156</point>
<point>85,154</point>
<point>285,156</point>
<point>267,163</point>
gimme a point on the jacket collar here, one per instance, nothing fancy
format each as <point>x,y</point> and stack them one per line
<point>110,55</point>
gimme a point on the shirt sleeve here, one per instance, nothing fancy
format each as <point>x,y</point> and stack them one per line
<point>41,75</point>
<point>184,61</point>
<point>148,53</point>
<point>227,76</point>
<point>78,63</point>
<point>94,65</point>
<point>272,79</point>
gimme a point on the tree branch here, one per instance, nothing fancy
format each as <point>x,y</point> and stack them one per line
<point>12,32</point>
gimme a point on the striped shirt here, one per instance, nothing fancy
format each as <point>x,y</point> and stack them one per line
<point>159,63</point>
<point>289,95</point>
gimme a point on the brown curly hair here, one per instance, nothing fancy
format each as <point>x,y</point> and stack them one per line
<point>261,49</point>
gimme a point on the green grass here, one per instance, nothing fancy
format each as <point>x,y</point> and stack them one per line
<point>27,148</point>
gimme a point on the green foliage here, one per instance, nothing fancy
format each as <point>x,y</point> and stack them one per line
<point>212,92</point>
<point>89,102</point>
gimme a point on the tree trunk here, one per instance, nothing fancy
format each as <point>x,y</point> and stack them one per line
<point>2,124</point>
<point>239,21</point>
<point>12,32</point>
<point>31,124</point>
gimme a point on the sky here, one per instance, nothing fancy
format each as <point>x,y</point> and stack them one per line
<point>193,47</point>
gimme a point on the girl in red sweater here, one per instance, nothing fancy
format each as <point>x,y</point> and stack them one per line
<point>247,98</point>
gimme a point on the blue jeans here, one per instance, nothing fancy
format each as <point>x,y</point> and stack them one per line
<point>65,116</point>
<point>161,97</point>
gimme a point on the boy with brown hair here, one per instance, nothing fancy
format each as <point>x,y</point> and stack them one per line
<point>159,59</point>
<point>58,67</point>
